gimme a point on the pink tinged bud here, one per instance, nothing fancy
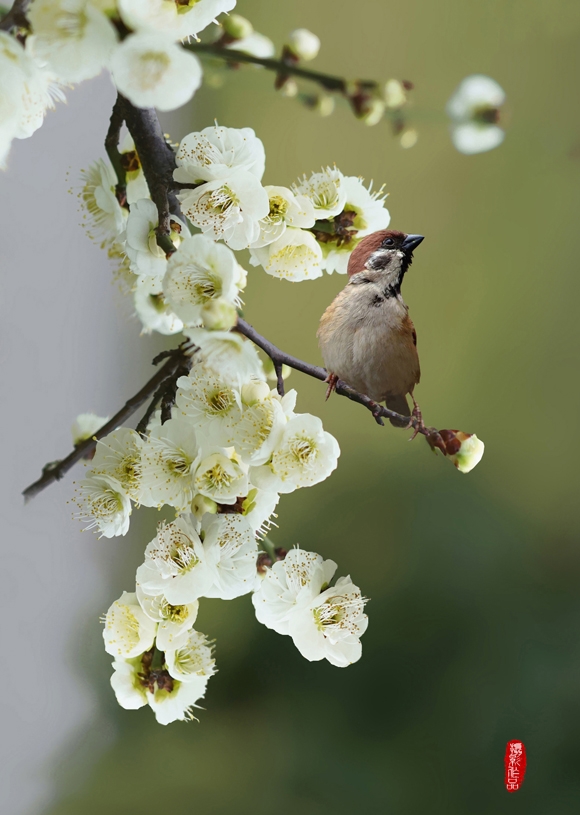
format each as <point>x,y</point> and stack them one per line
<point>465,450</point>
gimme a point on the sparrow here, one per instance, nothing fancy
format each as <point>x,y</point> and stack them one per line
<point>366,336</point>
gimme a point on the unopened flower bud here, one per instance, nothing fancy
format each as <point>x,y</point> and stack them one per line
<point>394,94</point>
<point>86,425</point>
<point>236,26</point>
<point>289,88</point>
<point>408,138</point>
<point>219,314</point>
<point>200,505</point>
<point>303,44</point>
<point>321,103</point>
<point>255,391</point>
<point>465,450</point>
<point>271,371</point>
<point>372,111</point>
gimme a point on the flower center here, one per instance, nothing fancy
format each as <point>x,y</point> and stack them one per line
<point>176,614</point>
<point>178,463</point>
<point>223,199</point>
<point>184,558</point>
<point>105,504</point>
<point>154,64</point>
<point>219,402</point>
<point>183,6</point>
<point>278,208</point>
<point>217,478</point>
<point>486,114</point>
<point>304,450</point>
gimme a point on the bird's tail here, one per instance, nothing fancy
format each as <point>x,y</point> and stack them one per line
<point>398,403</point>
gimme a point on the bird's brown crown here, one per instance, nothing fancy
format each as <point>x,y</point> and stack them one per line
<point>369,245</point>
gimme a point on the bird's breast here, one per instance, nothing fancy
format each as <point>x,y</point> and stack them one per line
<point>366,339</point>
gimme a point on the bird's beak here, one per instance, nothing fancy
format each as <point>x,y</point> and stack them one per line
<point>411,242</point>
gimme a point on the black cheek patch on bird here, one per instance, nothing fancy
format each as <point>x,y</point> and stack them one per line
<point>377,300</point>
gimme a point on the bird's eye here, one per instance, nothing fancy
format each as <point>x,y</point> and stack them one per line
<point>388,242</point>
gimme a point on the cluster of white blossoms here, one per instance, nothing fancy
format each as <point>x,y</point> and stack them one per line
<point>220,463</point>
<point>293,233</point>
<point>138,41</point>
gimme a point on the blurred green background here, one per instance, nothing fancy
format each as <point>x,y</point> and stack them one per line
<point>475,611</point>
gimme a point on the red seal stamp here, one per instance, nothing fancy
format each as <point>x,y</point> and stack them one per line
<point>515,765</point>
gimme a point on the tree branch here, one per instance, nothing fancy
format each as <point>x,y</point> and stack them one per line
<point>16,17</point>
<point>112,147</point>
<point>158,163</point>
<point>280,358</point>
<point>330,83</point>
<point>54,471</point>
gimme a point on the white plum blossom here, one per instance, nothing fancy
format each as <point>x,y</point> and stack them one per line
<point>326,191</point>
<point>99,199</point>
<point>304,455</point>
<point>331,625</point>
<point>152,309</point>
<point>228,209</point>
<point>86,425</point>
<point>260,427</point>
<point>286,209</point>
<point>127,684</point>
<point>200,271</point>
<point>210,405</point>
<point>303,44</point>
<point>191,657</point>
<point>295,256</point>
<point>219,314</point>
<point>179,20</point>
<point>258,509</point>
<point>474,110</point>
<point>176,564</point>
<point>128,631</point>
<point>136,685</point>
<point>28,90</point>
<point>16,69</point>
<point>75,37</point>
<point>219,476</point>
<point>366,213</point>
<point>153,71</point>
<point>216,152</point>
<point>227,354</point>
<point>145,255</point>
<point>168,462</point>
<point>119,455</point>
<point>172,620</point>
<point>290,584</point>
<point>176,703</point>
<point>230,543</point>
<point>104,503</point>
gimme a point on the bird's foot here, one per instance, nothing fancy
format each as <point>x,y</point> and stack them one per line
<point>332,380</point>
<point>416,420</point>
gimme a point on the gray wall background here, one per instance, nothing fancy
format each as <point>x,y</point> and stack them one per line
<point>66,347</point>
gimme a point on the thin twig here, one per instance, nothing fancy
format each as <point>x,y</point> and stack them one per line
<point>55,470</point>
<point>326,81</point>
<point>16,17</point>
<point>342,389</point>
<point>112,147</point>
